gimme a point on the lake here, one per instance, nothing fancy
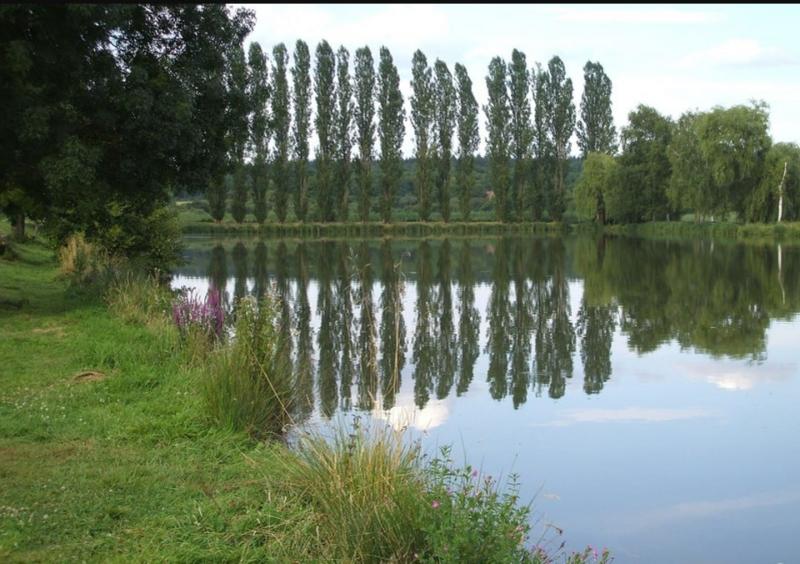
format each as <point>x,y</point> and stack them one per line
<point>645,392</point>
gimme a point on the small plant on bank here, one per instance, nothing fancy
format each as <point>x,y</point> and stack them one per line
<point>82,262</point>
<point>246,385</point>
<point>469,518</point>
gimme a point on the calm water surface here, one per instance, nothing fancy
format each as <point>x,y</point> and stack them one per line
<point>645,392</point>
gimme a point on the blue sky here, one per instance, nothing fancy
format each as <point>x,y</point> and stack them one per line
<point>671,57</point>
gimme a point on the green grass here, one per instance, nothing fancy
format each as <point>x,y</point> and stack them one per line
<point>108,452</point>
<point>727,231</point>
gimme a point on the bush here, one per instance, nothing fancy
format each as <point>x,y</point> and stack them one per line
<point>139,298</point>
<point>246,386</point>
<point>200,324</point>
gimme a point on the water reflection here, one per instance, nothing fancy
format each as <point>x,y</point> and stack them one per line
<point>502,308</point>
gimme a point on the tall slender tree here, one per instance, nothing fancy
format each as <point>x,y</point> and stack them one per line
<point>238,130</point>
<point>444,127</point>
<point>364,115</point>
<point>596,132</point>
<point>542,144</point>
<point>422,110</point>
<point>344,132</point>
<point>391,129</point>
<point>259,92</point>
<point>280,123</point>
<point>499,129</point>
<point>301,75</point>
<point>325,121</point>
<point>521,131</point>
<point>561,122</point>
<point>468,138</point>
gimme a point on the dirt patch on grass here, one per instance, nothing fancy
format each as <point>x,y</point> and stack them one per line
<point>54,330</point>
<point>89,376</point>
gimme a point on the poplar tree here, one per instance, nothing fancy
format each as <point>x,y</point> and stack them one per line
<point>259,127</point>
<point>344,133</point>
<point>324,88</point>
<point>391,129</point>
<point>498,128</point>
<point>521,131</point>
<point>561,123</point>
<point>542,144</point>
<point>422,108</point>
<point>238,134</point>
<point>280,129</point>
<point>301,97</point>
<point>444,126</point>
<point>596,132</point>
<point>364,115</point>
<point>468,138</point>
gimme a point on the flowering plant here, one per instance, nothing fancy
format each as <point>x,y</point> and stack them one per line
<point>190,312</point>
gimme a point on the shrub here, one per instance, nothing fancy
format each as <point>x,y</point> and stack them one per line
<point>207,317</point>
<point>246,386</point>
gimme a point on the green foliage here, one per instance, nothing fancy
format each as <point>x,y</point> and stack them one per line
<point>470,519</point>
<point>279,125</point>
<point>301,98</point>
<point>595,185</point>
<point>344,133</point>
<point>444,126</point>
<point>217,196</point>
<point>499,132</point>
<point>596,132</point>
<point>468,138</point>
<point>246,387</point>
<point>560,111</point>
<point>325,122</point>
<point>781,175</point>
<point>521,131</point>
<point>391,130</point>
<point>364,115</point>
<point>81,262</point>
<point>690,182</point>
<point>644,171</point>
<point>242,185</point>
<point>423,106</point>
<point>140,298</point>
<point>544,150</point>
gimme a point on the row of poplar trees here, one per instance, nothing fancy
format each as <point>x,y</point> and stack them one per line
<point>530,118</point>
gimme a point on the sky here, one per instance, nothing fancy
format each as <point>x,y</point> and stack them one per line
<point>671,57</point>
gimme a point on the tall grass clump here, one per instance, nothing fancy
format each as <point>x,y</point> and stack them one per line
<point>366,490</point>
<point>246,385</point>
<point>81,262</point>
<point>140,298</point>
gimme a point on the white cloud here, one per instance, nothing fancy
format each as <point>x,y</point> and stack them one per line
<point>635,16</point>
<point>738,52</point>
<point>626,415</point>
<point>736,377</point>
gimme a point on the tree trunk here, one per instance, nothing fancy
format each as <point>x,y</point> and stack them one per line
<point>780,192</point>
<point>19,227</point>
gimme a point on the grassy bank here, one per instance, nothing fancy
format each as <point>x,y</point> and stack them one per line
<point>108,453</point>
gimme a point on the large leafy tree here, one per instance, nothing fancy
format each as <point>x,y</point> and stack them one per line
<point>391,129</point>
<point>596,182</point>
<point>561,123</point>
<point>596,130</point>
<point>301,96</point>
<point>108,109</point>
<point>499,130</point>
<point>325,122</point>
<point>777,196</point>
<point>344,132</point>
<point>641,193</point>
<point>364,114</point>
<point>444,127</point>
<point>521,130</point>
<point>422,109</point>
<point>468,138</point>
<point>259,93</point>
<point>688,186</point>
<point>280,124</point>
